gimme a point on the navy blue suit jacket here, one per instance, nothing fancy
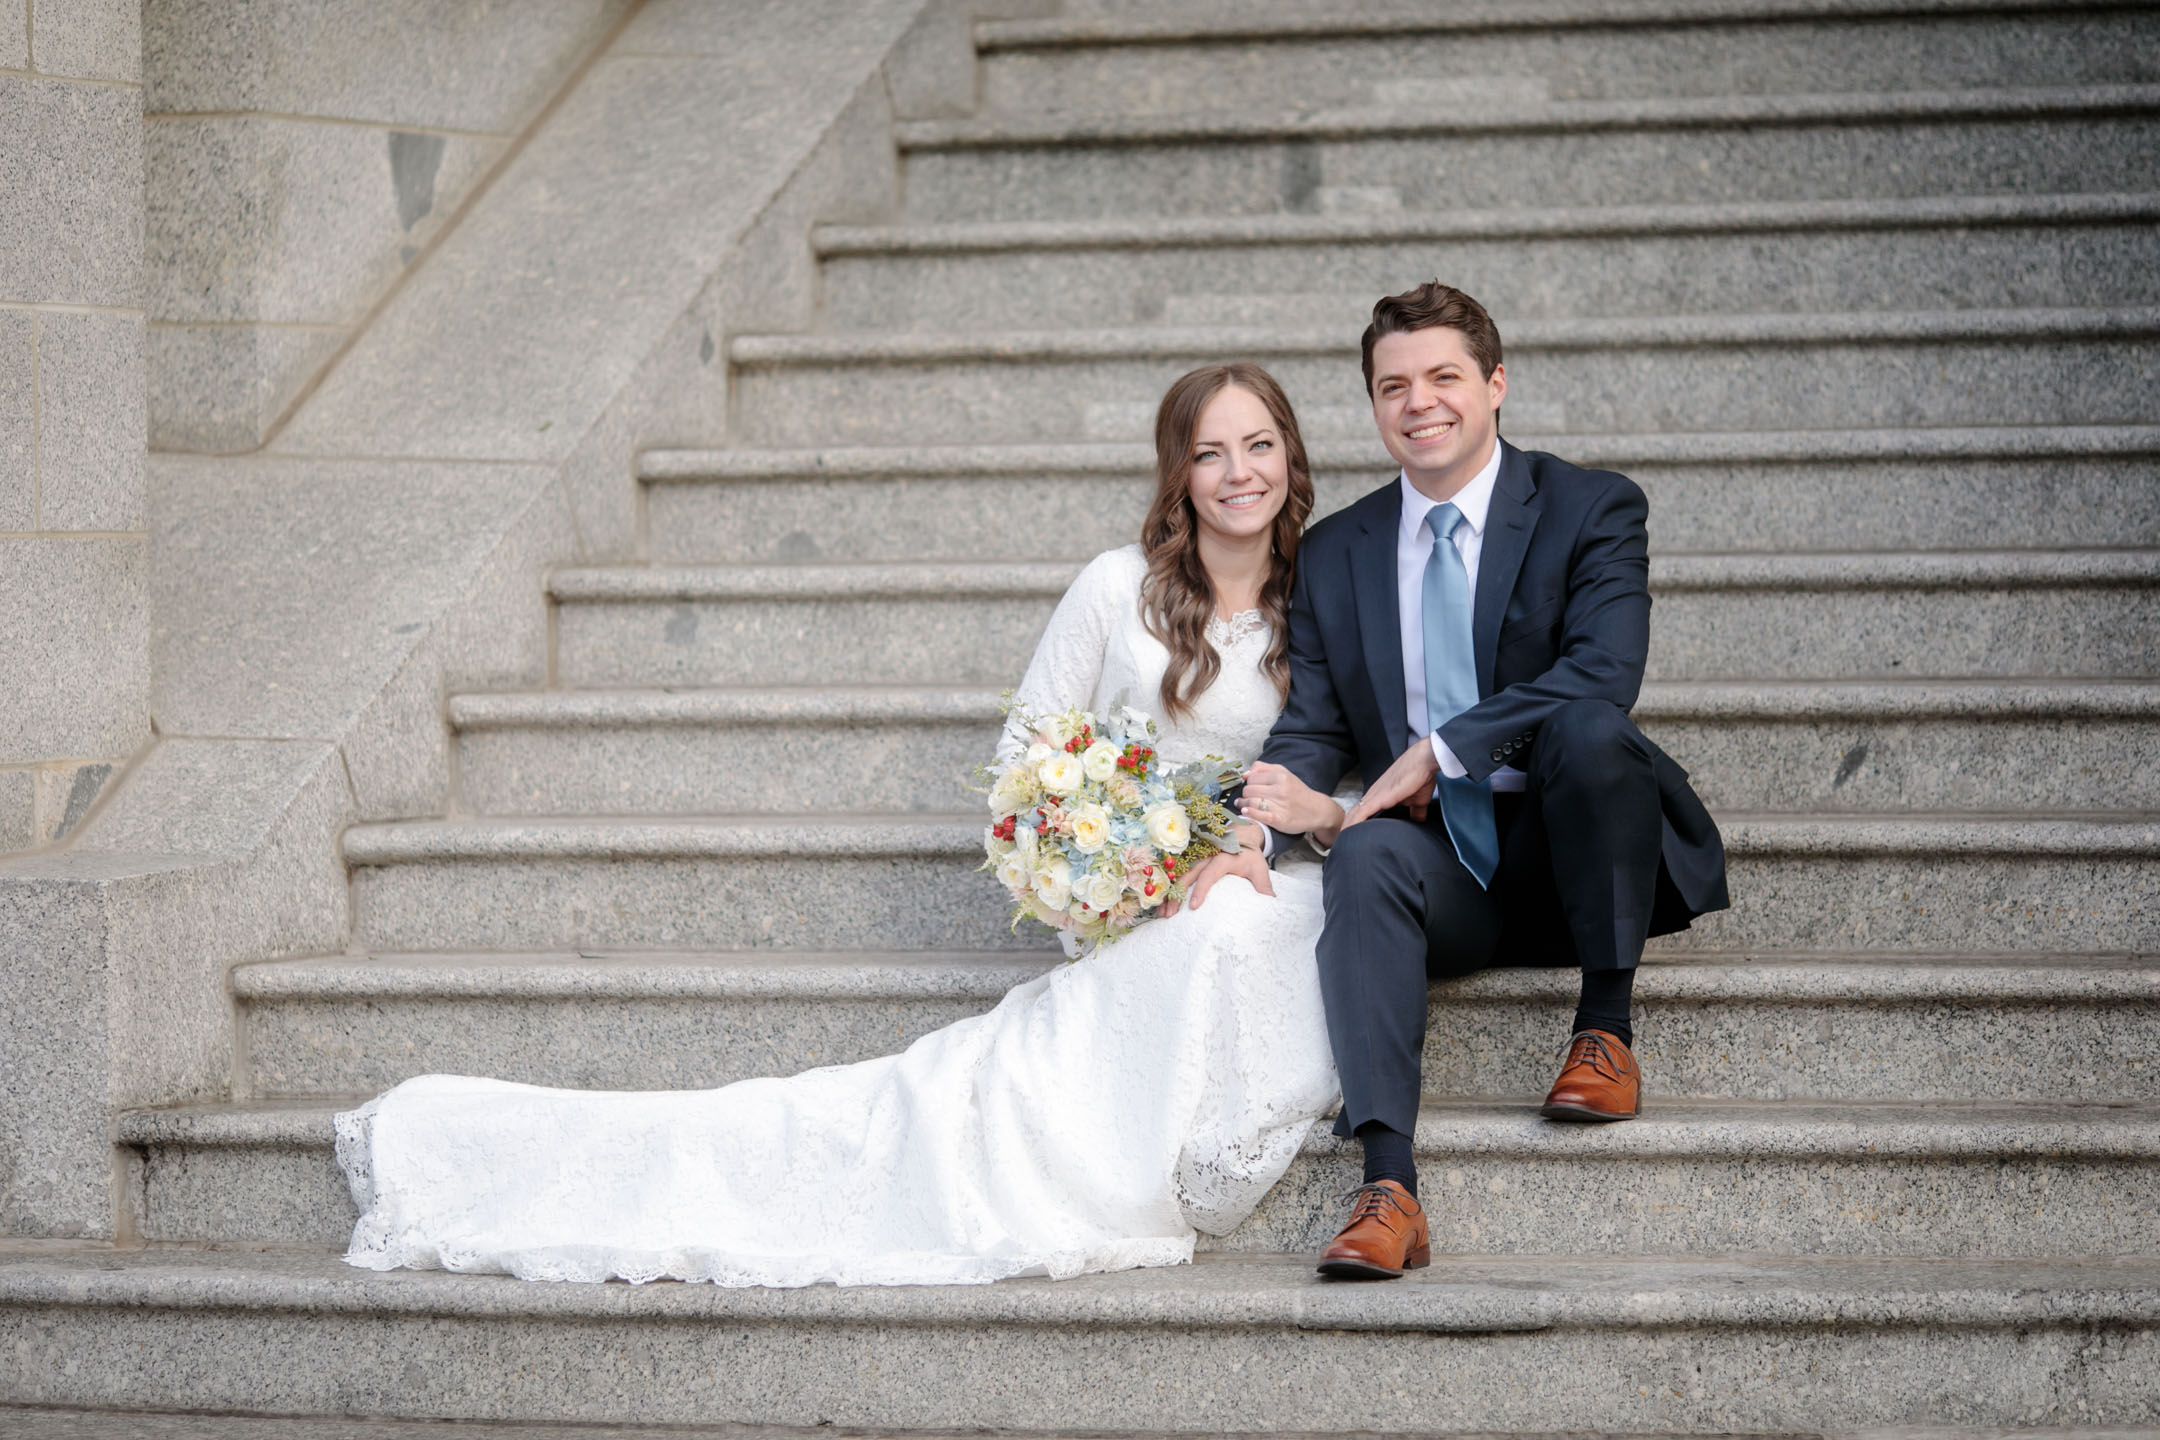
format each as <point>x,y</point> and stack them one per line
<point>1562,613</point>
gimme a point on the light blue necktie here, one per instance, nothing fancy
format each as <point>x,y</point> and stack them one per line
<point>1451,688</point>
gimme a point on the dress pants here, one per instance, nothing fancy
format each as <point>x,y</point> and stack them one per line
<point>1579,859</point>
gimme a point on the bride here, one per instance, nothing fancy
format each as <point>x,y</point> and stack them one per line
<point>1094,1120</point>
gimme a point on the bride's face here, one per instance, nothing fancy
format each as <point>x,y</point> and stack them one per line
<point>1240,473</point>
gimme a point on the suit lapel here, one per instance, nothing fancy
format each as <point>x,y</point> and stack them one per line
<point>1509,522</point>
<point>1372,581</point>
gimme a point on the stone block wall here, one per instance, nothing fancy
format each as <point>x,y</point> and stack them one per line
<point>301,155</point>
<point>74,623</point>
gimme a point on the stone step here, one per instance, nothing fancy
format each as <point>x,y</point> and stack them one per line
<point>1176,60</point>
<point>1233,1343</point>
<point>2037,882</point>
<point>1708,1026</point>
<point>1505,150</point>
<point>1797,746</point>
<point>2045,1179</point>
<point>1652,374</point>
<point>45,1423</point>
<point>1786,491</point>
<point>2090,613</point>
<point>1977,252</point>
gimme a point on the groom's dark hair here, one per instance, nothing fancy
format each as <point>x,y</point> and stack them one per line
<point>1429,306</point>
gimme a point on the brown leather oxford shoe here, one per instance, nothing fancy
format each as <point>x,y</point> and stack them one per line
<point>1598,1081</point>
<point>1386,1236</point>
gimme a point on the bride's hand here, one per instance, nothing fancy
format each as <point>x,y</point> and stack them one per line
<point>1277,798</point>
<point>1248,862</point>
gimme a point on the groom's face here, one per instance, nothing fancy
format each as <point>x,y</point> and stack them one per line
<point>1437,412</point>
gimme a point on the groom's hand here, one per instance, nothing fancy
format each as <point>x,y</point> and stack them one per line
<point>1248,862</point>
<point>1408,782</point>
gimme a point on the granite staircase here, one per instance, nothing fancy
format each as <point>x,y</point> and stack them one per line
<point>1865,293</point>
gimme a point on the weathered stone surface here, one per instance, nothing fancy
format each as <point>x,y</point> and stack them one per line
<point>1826,256</point>
<point>91,421</point>
<point>294,590</point>
<point>18,810</point>
<point>1652,53</point>
<point>71,165</point>
<point>18,420</point>
<point>1920,489</point>
<point>260,219</point>
<point>515,337</point>
<point>211,852</point>
<point>1716,1027</point>
<point>721,752</point>
<point>89,39</point>
<point>723,884</point>
<point>74,615</point>
<point>67,793</point>
<point>219,388</point>
<point>1583,153</point>
<point>1760,372</point>
<point>2060,1181</point>
<point>14,34</point>
<point>482,65</point>
<point>55,1117</point>
<point>1746,1344</point>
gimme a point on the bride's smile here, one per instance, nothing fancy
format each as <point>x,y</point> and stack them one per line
<point>1240,474</point>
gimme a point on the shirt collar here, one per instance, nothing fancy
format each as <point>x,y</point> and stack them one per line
<point>1474,500</point>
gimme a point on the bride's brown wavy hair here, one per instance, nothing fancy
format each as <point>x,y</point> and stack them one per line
<point>1176,598</point>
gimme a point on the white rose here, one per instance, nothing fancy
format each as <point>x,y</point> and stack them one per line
<point>1102,888</point>
<point>1037,753</point>
<point>1060,773</point>
<point>1161,886</point>
<point>1014,872</point>
<point>1169,828</point>
<point>1053,884</point>
<point>1010,794</point>
<point>1100,760</point>
<point>1024,840</point>
<point>1090,828</point>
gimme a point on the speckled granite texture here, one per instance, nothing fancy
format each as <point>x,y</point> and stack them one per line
<point>1950,1179</point>
<point>1720,1344</point>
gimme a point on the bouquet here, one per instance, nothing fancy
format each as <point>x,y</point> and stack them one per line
<point>1090,833</point>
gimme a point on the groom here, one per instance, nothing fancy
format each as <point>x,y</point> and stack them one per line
<point>1470,638</point>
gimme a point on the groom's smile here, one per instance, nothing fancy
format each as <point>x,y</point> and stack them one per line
<point>1437,411</point>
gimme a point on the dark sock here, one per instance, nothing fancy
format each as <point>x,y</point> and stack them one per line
<point>1607,1003</point>
<point>1387,1155</point>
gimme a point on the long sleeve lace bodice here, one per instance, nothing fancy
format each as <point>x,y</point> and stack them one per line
<point>1097,653</point>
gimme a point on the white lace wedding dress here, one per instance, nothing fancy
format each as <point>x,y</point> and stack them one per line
<point>1092,1121</point>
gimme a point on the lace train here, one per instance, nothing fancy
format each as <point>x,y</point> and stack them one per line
<point>1093,1120</point>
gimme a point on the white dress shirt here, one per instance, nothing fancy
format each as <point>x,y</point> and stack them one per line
<point>1413,548</point>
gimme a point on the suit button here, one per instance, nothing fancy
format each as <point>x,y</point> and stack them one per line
<point>1496,757</point>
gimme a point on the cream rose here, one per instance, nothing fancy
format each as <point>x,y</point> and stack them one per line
<point>1101,888</point>
<point>1053,884</point>
<point>1014,872</point>
<point>1090,828</point>
<point>1024,840</point>
<point>1014,789</point>
<point>1061,773</point>
<point>1037,753</point>
<point>1100,760</point>
<point>1169,827</point>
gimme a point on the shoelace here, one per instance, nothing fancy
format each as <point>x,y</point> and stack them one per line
<point>1595,1049</point>
<point>1368,1200</point>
